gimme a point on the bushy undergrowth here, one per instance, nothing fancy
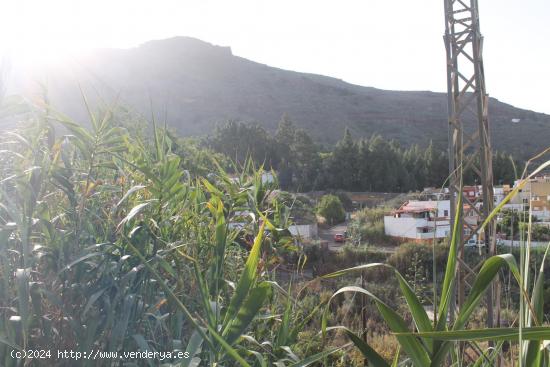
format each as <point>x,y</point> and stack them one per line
<point>111,240</point>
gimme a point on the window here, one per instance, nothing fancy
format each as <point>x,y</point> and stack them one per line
<point>445,213</point>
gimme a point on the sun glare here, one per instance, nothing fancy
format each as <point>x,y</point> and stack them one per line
<point>35,33</point>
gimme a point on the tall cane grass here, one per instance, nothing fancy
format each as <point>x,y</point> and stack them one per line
<point>107,245</point>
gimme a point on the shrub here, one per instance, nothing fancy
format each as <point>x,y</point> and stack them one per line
<point>330,207</point>
<point>371,215</point>
<point>540,233</point>
<point>423,255</point>
<point>346,201</point>
<point>374,233</point>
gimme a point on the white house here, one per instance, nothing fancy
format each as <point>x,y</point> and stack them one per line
<point>304,231</point>
<point>419,220</point>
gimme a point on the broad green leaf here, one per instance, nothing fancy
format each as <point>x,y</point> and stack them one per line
<point>494,334</point>
<point>220,239</point>
<point>247,279</point>
<point>282,334</point>
<point>127,194</point>
<point>80,259</point>
<point>211,188</point>
<point>317,357</point>
<point>418,312</point>
<point>193,347</point>
<point>534,354</point>
<point>450,270</point>
<point>92,300</point>
<point>259,358</point>
<point>22,278</point>
<point>135,211</point>
<point>228,348</point>
<point>248,311</point>
<point>484,278</point>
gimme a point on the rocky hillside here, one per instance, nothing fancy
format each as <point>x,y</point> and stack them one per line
<point>195,85</point>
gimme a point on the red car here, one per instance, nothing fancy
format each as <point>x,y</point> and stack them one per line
<point>338,237</point>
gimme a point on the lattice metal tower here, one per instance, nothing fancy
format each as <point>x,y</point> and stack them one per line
<point>469,138</point>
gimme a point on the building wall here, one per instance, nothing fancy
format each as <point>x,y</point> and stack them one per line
<point>304,230</point>
<point>537,193</point>
<point>408,227</point>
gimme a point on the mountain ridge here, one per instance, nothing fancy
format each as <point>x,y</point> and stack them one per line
<point>197,85</point>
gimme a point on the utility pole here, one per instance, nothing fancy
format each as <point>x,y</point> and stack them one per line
<point>469,138</point>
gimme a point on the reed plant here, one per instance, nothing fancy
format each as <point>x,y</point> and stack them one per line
<point>108,244</point>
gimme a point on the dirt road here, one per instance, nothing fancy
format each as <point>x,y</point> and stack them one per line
<point>327,234</point>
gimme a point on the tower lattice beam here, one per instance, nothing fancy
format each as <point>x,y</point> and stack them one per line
<point>469,138</point>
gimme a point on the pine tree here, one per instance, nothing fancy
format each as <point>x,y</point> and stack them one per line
<point>306,162</point>
<point>343,167</point>
<point>284,138</point>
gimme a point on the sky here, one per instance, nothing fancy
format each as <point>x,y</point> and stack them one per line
<point>385,44</point>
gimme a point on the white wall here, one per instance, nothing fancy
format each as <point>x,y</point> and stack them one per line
<point>517,243</point>
<point>402,227</point>
<point>407,227</point>
<point>304,230</point>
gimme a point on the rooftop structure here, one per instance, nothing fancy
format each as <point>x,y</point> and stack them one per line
<point>419,220</point>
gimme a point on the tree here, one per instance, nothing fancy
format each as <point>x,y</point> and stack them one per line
<point>285,131</point>
<point>306,161</point>
<point>503,168</point>
<point>541,233</point>
<point>239,141</point>
<point>284,139</point>
<point>383,158</point>
<point>197,160</point>
<point>437,167</point>
<point>342,166</point>
<point>416,166</point>
<point>330,207</point>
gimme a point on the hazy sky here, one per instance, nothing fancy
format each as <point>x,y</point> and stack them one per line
<point>382,43</point>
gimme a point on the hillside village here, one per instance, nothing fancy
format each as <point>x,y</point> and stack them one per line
<point>429,219</point>
<point>426,216</point>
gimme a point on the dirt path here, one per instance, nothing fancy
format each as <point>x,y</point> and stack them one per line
<point>327,235</point>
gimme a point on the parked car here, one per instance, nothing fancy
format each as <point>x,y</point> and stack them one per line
<point>472,242</point>
<point>339,237</point>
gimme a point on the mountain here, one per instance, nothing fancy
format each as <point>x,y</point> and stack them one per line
<point>194,85</point>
